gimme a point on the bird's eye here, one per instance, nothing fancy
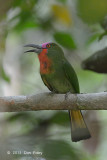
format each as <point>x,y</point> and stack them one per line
<point>48,45</point>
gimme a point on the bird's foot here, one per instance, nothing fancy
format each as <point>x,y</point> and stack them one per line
<point>52,93</point>
<point>67,94</point>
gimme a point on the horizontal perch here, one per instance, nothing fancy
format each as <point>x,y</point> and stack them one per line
<point>50,101</point>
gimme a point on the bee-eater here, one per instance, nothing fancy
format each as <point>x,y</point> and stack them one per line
<point>59,76</point>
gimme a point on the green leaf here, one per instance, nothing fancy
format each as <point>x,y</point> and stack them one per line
<point>65,40</point>
<point>26,17</point>
<point>102,35</point>
<point>26,25</point>
<point>92,38</point>
<point>60,118</point>
<point>95,37</point>
<point>4,75</point>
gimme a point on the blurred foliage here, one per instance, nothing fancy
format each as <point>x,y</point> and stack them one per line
<point>65,40</point>
<point>24,18</point>
<point>62,1</point>
<point>96,62</point>
<point>4,8</point>
<point>93,38</point>
<point>60,118</point>
<point>62,13</point>
<point>60,150</point>
<point>3,75</point>
<point>24,5</point>
<point>92,11</point>
<point>51,148</point>
<point>104,23</point>
<point>102,35</point>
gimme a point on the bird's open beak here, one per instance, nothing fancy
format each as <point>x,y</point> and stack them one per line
<point>37,48</point>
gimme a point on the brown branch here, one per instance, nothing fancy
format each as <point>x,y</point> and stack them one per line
<point>50,101</point>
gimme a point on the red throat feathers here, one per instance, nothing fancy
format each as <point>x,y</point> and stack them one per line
<point>45,62</point>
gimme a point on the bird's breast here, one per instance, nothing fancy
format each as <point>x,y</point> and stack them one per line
<point>45,63</point>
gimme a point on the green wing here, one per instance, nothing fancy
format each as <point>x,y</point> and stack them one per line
<point>71,75</point>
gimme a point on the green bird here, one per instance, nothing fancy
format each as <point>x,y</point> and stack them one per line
<point>59,76</point>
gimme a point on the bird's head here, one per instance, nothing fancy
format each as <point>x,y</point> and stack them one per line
<point>49,55</point>
<point>49,49</point>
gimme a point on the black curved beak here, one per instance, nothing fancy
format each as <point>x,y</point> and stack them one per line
<point>37,48</point>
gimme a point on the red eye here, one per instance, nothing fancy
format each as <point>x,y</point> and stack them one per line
<point>48,45</point>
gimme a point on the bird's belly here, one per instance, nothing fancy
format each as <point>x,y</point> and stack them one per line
<point>59,84</point>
